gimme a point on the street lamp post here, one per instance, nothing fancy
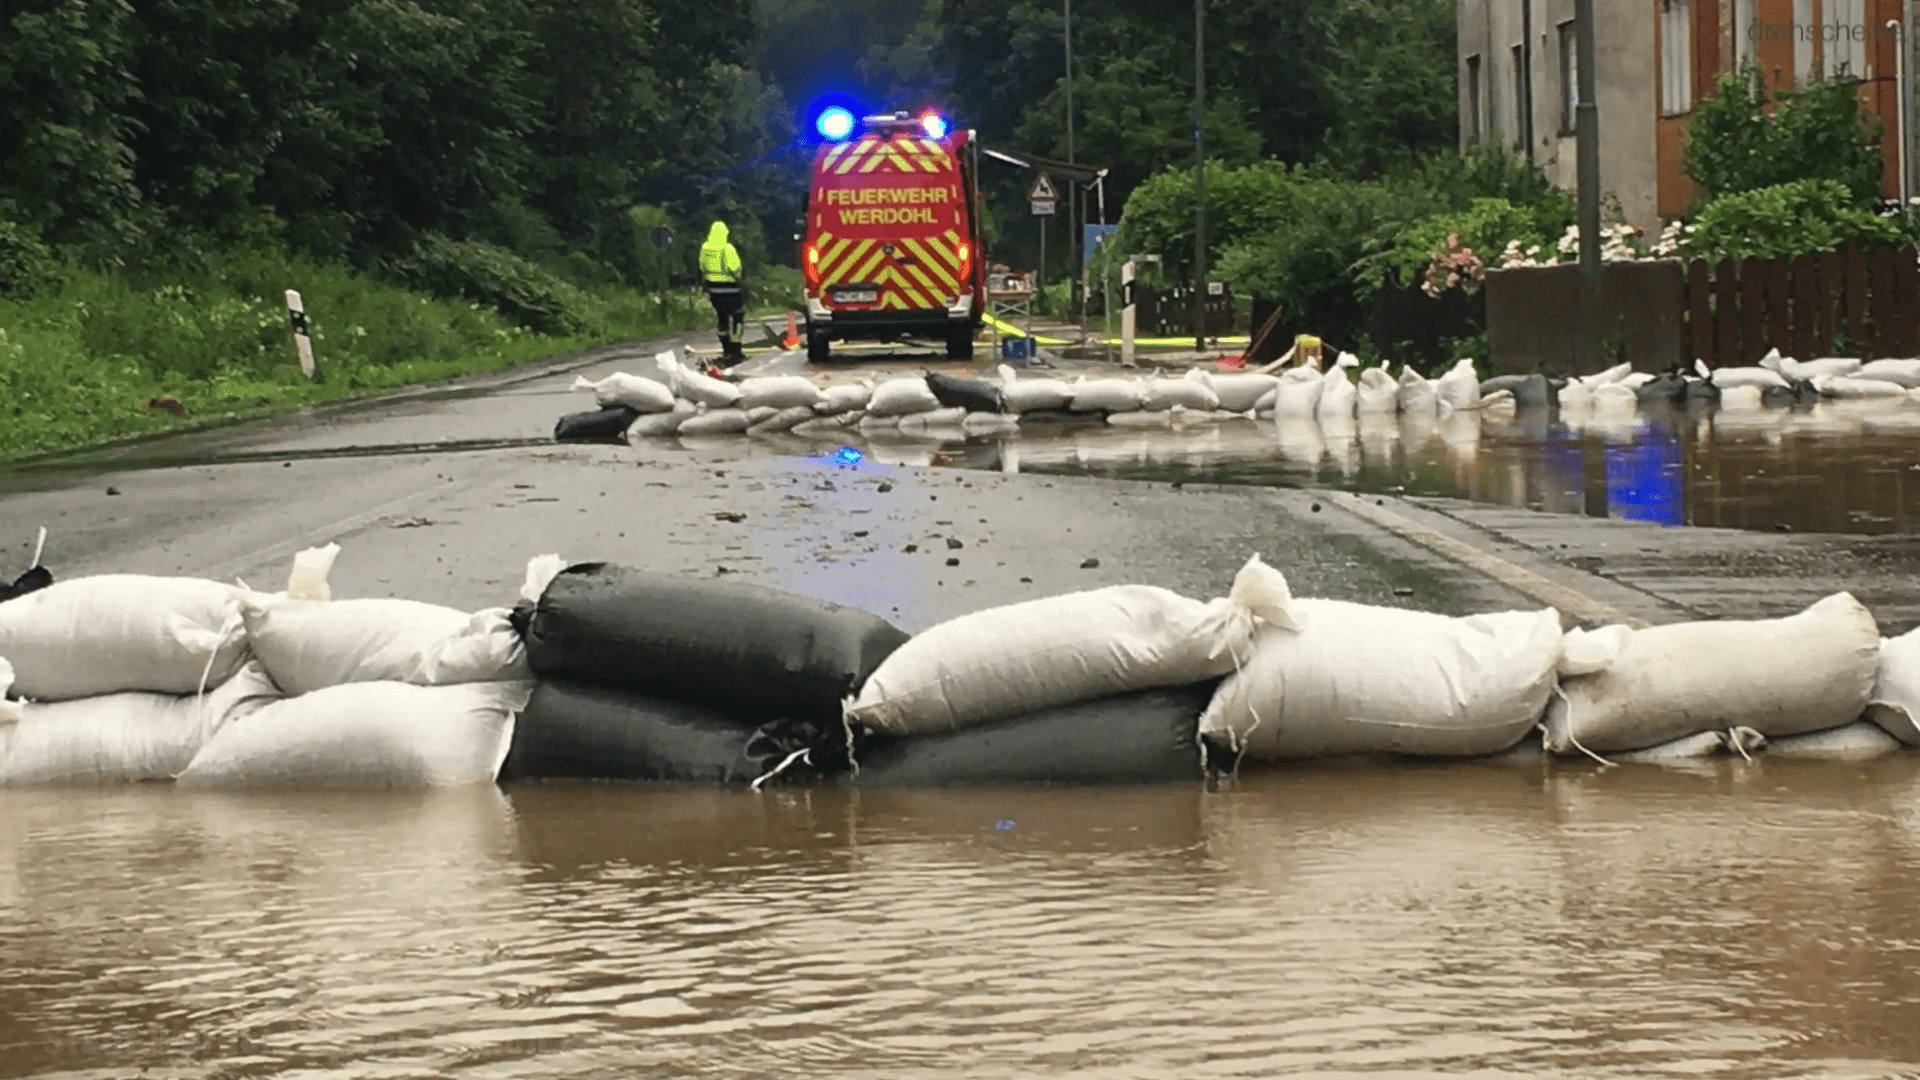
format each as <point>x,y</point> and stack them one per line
<point>1200,175</point>
<point>1587,167</point>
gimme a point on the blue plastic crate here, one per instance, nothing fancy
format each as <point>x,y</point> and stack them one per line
<point>1016,350</point>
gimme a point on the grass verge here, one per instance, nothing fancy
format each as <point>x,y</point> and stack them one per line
<point>90,357</point>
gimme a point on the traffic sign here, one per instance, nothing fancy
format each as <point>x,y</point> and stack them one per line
<point>1043,206</point>
<point>1043,190</point>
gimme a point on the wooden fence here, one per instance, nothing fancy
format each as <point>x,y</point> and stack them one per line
<point>1851,303</point>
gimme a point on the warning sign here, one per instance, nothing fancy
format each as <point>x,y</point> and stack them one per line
<point>1042,189</point>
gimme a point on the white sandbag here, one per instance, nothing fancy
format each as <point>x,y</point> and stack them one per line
<point>1007,661</point>
<point>124,738</point>
<point>1024,395</point>
<point>759,413</point>
<point>844,398</point>
<point>115,633</point>
<point>10,710</point>
<point>1377,395</point>
<point>1896,688</point>
<point>870,423</point>
<point>981,423</point>
<point>1337,397</point>
<point>1746,376</point>
<point>951,417</point>
<point>308,579</point>
<point>660,425</point>
<point>1634,380</point>
<point>1459,387</point>
<point>1703,744</point>
<point>376,734</point>
<point>783,420</point>
<point>1904,373</point>
<point>1265,405</point>
<point>1854,742</point>
<point>1500,406</point>
<point>1841,386</point>
<point>1141,419</point>
<point>1771,361</point>
<point>1614,374</point>
<point>1417,392</point>
<point>1106,395</point>
<point>1299,397</point>
<point>1355,679</point>
<point>779,392</point>
<point>1574,397</point>
<point>901,397</point>
<point>541,570</point>
<point>308,645</point>
<point>1615,398</point>
<point>1809,370</point>
<point>715,422</point>
<point>1190,391</point>
<point>1742,398</point>
<point>1242,392</point>
<point>829,426</point>
<point>703,389</point>
<point>1625,689</point>
<point>636,392</point>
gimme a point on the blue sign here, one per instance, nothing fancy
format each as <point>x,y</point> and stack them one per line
<point>1090,237</point>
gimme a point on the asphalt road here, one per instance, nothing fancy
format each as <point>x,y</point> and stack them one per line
<point>443,495</point>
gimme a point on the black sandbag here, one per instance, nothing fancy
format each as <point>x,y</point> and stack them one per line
<point>1529,391</point>
<point>1779,396</point>
<point>577,730</point>
<point>1703,390</point>
<point>601,425</point>
<point>1063,416</point>
<point>1139,738</point>
<point>973,395</point>
<point>32,581</point>
<point>1668,389</point>
<point>730,645</point>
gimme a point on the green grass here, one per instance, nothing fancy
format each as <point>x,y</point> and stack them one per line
<point>81,358</point>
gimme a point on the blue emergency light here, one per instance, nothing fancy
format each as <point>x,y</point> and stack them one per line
<point>934,124</point>
<point>834,123</point>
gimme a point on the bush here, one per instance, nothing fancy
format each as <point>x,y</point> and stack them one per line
<point>1800,218</point>
<point>1734,144</point>
<point>1485,228</point>
<point>521,290</point>
<point>26,262</point>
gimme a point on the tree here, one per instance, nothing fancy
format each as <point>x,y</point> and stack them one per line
<point>1739,141</point>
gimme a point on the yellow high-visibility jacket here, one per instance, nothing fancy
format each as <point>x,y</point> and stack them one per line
<point>719,262</point>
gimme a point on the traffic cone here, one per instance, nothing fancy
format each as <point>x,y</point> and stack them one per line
<point>792,340</point>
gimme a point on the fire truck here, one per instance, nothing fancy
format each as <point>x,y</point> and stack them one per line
<point>893,248</point>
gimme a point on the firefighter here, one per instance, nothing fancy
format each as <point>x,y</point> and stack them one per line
<point>720,270</point>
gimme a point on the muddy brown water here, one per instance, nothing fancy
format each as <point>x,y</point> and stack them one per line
<point>1732,920</point>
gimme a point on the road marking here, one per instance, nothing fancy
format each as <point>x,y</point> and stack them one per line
<point>1569,600</point>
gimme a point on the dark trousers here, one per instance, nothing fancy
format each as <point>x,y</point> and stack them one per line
<point>730,319</point>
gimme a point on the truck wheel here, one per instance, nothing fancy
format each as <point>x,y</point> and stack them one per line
<point>818,350</point>
<point>960,342</point>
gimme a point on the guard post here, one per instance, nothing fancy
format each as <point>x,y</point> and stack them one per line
<point>302,342</point>
<point>1128,311</point>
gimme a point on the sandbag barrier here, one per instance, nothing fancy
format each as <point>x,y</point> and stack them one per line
<point>608,672</point>
<point>669,399</point>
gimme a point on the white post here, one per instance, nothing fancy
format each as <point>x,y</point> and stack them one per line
<point>1905,101</point>
<point>302,344</point>
<point>1127,271</point>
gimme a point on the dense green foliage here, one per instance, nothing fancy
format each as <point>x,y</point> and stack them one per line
<point>1736,143</point>
<point>1798,218</point>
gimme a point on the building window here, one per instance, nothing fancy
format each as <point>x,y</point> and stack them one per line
<point>1843,39</point>
<point>1519,100</point>
<point>1676,57</point>
<point>1473,98</point>
<point>1803,34</point>
<point>1744,34</point>
<point>1569,76</point>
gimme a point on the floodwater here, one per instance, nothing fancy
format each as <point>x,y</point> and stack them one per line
<point>1731,920</point>
<point>1839,467</point>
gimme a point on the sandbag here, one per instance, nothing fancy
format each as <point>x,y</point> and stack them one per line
<point>1027,395</point>
<point>954,392</point>
<point>1624,689</point>
<point>33,580</point>
<point>1338,678</point>
<point>1899,372</point>
<point>829,426</point>
<point>735,646</point>
<point>703,389</point>
<point>608,425</point>
<point>1728,377</point>
<point>1611,375</point>
<point>122,632</point>
<point>375,734</point>
<point>1022,658</point>
<point>715,422</point>
<point>636,392</point>
<point>1060,416</point>
<point>980,423</point>
<point>1705,744</point>
<point>1840,386</point>
<point>311,645</point>
<point>1139,738</point>
<point>1190,391</point>
<point>759,413</point>
<point>1337,398</point>
<point>11,707</point>
<point>1377,395</point>
<point>1105,395</point>
<point>1809,370</point>
<point>660,425</point>
<point>1529,391</point>
<point>903,396</point>
<point>1243,393</point>
<point>575,729</point>
<point>1417,392</point>
<point>1140,419</point>
<point>1459,387</point>
<point>942,417</point>
<point>1895,704</point>
<point>783,420</point>
<point>1743,398</point>
<point>1298,397</point>
<point>845,398</point>
<point>779,392</point>
<point>124,738</point>
<point>1854,742</point>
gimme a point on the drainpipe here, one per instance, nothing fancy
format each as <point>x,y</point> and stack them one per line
<point>1903,114</point>
<point>1526,74</point>
<point>1587,162</point>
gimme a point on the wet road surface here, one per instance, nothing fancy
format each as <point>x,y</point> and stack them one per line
<point>1733,919</point>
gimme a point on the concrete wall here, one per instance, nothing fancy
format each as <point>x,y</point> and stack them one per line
<point>1533,317</point>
